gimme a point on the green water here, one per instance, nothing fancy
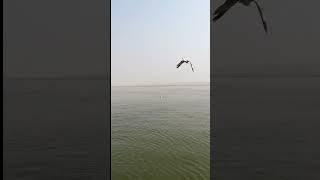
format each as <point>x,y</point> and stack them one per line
<point>161,132</point>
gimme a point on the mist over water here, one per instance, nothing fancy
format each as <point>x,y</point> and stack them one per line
<point>160,132</point>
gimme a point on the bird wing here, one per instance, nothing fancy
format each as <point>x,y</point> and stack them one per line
<point>191,66</point>
<point>262,17</point>
<point>181,62</point>
<point>221,10</point>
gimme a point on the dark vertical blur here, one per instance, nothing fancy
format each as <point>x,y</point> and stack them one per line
<point>265,92</point>
<point>56,89</point>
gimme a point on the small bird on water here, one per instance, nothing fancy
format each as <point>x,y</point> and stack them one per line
<point>185,61</point>
<point>220,11</point>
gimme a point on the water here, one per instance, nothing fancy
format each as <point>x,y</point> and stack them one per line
<point>266,128</point>
<point>55,129</point>
<point>161,132</point>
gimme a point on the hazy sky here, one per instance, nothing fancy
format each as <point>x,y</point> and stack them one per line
<point>149,37</point>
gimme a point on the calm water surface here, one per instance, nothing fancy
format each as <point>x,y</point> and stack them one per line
<point>161,132</point>
<point>55,129</point>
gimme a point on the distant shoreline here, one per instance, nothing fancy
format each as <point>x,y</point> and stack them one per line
<point>166,85</point>
<point>229,75</point>
<point>218,76</point>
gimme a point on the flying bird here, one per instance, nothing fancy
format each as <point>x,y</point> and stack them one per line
<point>220,11</point>
<point>185,61</point>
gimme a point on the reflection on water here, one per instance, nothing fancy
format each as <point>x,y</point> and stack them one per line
<point>161,132</point>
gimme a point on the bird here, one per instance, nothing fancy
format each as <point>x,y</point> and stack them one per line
<point>185,61</point>
<point>221,10</point>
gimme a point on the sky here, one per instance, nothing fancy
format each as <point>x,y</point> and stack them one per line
<point>149,37</point>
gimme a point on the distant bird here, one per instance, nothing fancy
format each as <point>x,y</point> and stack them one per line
<point>220,11</point>
<point>185,61</point>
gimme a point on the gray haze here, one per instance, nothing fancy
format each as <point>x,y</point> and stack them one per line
<point>46,38</point>
<point>292,46</point>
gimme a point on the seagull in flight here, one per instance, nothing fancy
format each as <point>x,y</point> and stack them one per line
<point>185,61</point>
<point>220,11</point>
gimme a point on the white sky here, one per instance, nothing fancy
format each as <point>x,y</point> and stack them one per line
<point>149,37</point>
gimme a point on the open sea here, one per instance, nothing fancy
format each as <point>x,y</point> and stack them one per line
<point>55,129</point>
<point>263,128</point>
<point>160,132</point>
